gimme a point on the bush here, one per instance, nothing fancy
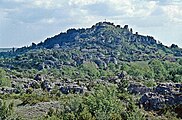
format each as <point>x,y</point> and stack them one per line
<point>90,69</point>
<point>4,80</point>
<point>34,98</point>
<point>177,78</point>
<point>150,83</point>
<point>104,104</point>
<point>5,110</point>
<point>159,69</point>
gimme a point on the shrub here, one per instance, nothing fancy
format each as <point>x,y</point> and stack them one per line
<point>177,78</point>
<point>5,110</point>
<point>90,69</point>
<point>104,104</point>
<point>33,98</point>
<point>4,80</point>
<point>150,83</point>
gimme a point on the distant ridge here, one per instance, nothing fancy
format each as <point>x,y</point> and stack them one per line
<point>5,49</point>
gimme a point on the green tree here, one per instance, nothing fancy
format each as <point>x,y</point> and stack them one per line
<point>178,78</point>
<point>104,104</point>
<point>90,69</point>
<point>180,61</point>
<point>159,70</point>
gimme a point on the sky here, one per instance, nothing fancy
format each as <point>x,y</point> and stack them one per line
<point>25,21</point>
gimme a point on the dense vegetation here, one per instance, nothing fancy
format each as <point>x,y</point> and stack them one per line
<point>86,74</point>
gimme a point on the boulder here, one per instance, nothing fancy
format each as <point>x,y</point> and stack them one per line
<point>46,85</point>
<point>164,90</point>
<point>38,77</point>
<point>152,101</point>
<point>49,62</point>
<point>122,75</point>
<point>9,90</point>
<point>56,46</point>
<point>168,88</point>
<point>112,60</point>
<point>138,89</point>
<point>126,27</point>
<point>65,89</point>
<point>34,84</point>
<point>113,79</point>
<point>72,88</point>
<point>41,66</point>
<point>77,90</point>
<point>100,63</point>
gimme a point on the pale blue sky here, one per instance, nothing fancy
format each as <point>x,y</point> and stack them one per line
<point>25,21</point>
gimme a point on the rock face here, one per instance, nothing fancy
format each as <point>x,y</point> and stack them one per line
<point>71,89</point>
<point>163,95</point>
<point>138,89</point>
<point>24,85</point>
<point>38,77</point>
<point>122,75</point>
<point>8,90</point>
<point>152,101</point>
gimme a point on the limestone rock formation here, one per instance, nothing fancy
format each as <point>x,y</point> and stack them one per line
<point>167,94</point>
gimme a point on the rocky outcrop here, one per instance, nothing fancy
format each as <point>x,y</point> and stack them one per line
<point>138,89</point>
<point>152,101</point>
<point>72,89</point>
<point>65,87</point>
<point>38,77</point>
<point>163,95</point>
<point>8,90</point>
<point>101,64</point>
<point>122,75</point>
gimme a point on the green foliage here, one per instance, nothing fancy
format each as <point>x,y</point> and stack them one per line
<point>4,80</point>
<point>150,83</point>
<point>112,66</point>
<point>159,70</point>
<point>177,78</point>
<point>106,73</point>
<point>135,70</point>
<point>132,112</point>
<point>76,59</point>
<point>180,61</point>
<point>104,104</point>
<point>122,86</point>
<point>73,108</point>
<point>174,71</point>
<point>136,115</point>
<point>68,71</point>
<point>140,69</point>
<point>5,110</point>
<point>34,98</point>
<point>90,69</point>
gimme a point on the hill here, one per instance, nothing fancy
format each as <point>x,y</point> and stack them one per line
<point>102,72</point>
<point>102,44</point>
<point>106,36</point>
